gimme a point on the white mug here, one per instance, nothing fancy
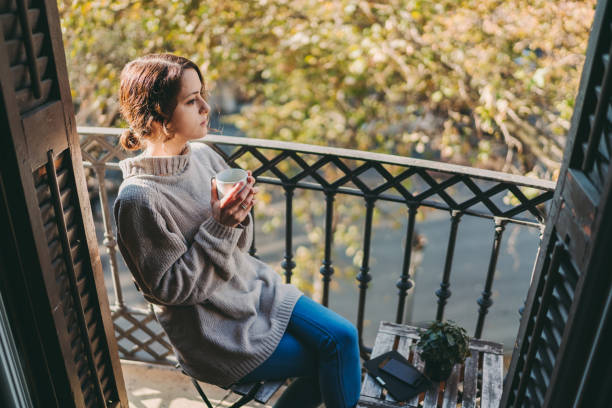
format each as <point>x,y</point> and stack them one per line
<point>227,178</point>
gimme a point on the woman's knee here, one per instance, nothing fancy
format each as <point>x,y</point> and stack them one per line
<point>333,330</point>
<point>345,335</point>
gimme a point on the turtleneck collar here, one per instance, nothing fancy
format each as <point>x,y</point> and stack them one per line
<point>156,165</point>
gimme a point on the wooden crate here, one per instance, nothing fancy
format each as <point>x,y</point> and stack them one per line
<point>476,383</point>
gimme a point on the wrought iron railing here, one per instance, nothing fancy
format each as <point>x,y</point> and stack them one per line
<point>500,197</point>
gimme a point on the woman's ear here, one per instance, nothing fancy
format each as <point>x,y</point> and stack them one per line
<point>158,131</point>
<point>165,129</point>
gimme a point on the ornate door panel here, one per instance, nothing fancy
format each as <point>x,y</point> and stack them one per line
<point>50,223</point>
<point>565,312</point>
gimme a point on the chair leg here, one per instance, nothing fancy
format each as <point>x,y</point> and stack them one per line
<point>201,392</point>
<point>248,396</point>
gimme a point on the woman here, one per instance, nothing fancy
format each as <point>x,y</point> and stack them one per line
<point>228,315</point>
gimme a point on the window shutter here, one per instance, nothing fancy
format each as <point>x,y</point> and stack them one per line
<point>571,280</point>
<point>44,144</point>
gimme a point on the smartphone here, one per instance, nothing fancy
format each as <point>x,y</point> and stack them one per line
<point>402,371</point>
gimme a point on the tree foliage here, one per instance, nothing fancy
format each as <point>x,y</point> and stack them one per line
<point>488,83</point>
<point>485,82</point>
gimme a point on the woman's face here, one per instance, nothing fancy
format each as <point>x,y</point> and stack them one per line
<point>190,118</point>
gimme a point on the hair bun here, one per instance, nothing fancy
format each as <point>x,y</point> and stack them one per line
<point>129,140</point>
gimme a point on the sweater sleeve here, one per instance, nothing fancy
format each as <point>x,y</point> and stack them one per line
<point>167,269</point>
<point>244,243</point>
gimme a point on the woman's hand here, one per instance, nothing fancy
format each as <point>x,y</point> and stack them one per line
<point>235,206</point>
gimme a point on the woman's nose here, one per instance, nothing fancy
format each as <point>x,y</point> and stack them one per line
<point>205,107</point>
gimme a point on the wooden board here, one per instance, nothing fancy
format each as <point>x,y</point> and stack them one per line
<point>384,342</point>
<point>492,369</point>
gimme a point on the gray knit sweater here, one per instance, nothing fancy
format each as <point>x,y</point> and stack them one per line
<point>223,310</point>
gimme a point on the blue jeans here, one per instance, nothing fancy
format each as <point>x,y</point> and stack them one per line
<point>322,349</point>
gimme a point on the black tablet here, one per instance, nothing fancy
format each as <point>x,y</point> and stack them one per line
<point>402,371</point>
<point>401,379</point>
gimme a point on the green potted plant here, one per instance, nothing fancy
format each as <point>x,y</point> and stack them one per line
<point>441,346</point>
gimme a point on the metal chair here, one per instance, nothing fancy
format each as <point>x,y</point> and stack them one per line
<point>260,391</point>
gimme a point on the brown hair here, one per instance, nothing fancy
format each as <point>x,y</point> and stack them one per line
<point>148,91</point>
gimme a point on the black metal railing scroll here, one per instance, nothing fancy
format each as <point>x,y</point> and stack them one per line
<point>485,301</point>
<point>364,276</point>
<point>444,292</point>
<point>288,263</point>
<point>418,184</point>
<point>404,284</point>
<point>327,270</point>
<point>253,248</point>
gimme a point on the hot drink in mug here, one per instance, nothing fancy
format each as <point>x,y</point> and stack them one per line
<point>227,178</point>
